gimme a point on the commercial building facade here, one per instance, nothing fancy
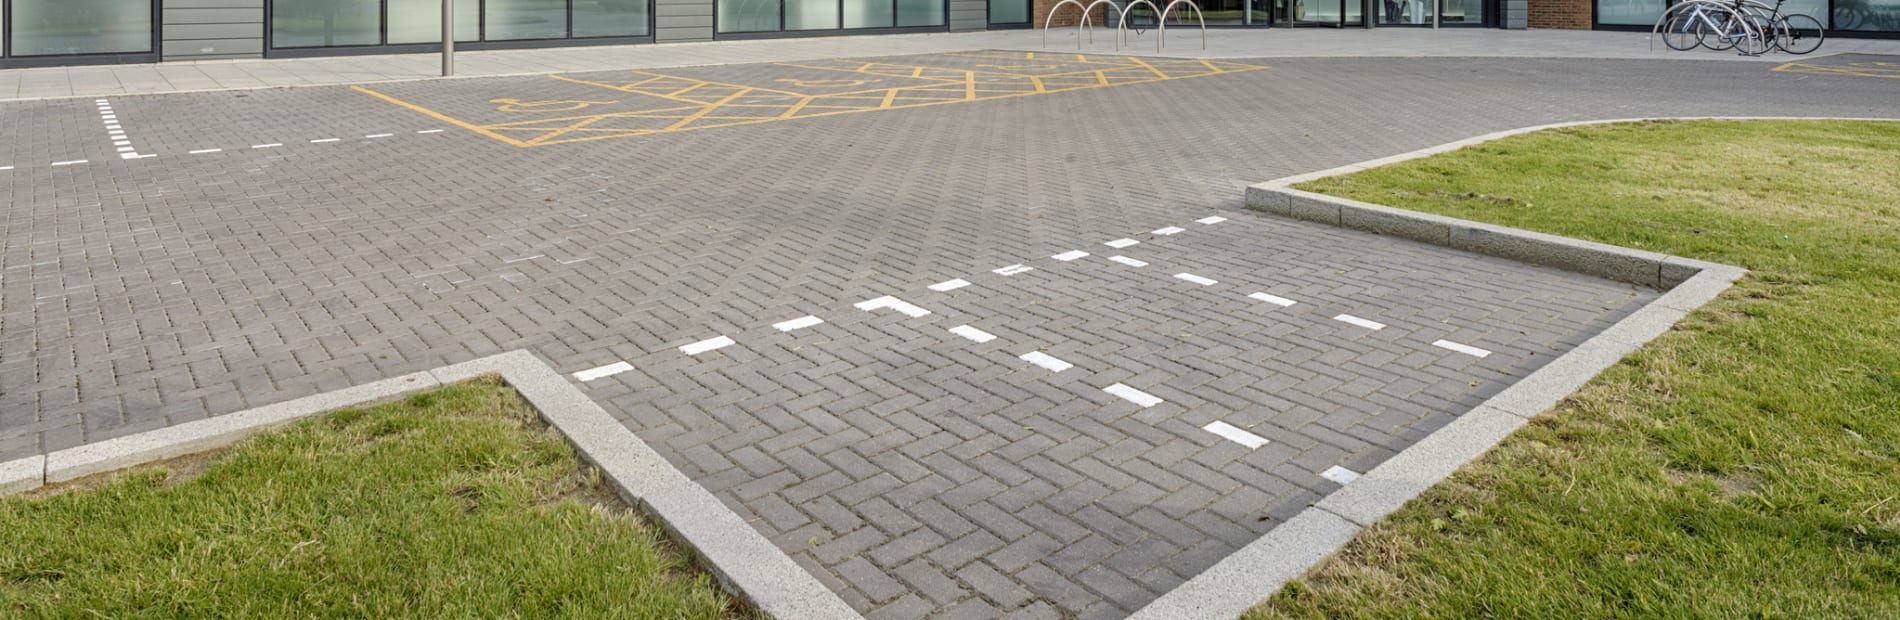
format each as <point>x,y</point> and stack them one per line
<point>60,32</point>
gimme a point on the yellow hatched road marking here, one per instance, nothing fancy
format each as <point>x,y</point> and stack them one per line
<point>702,104</point>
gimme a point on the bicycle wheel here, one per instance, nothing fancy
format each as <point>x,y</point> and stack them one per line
<point>1753,34</point>
<point>1800,34</point>
<point>1722,37</point>
<point>1683,33</point>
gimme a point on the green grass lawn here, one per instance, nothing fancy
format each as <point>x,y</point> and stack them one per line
<point>453,503</point>
<point>1745,465</point>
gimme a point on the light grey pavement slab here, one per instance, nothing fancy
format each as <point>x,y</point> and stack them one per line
<point>912,470</point>
<point>1221,43</point>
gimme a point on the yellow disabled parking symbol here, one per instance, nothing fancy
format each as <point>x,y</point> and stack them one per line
<point>517,105</point>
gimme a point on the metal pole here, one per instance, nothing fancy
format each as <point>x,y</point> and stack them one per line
<point>1438,8</point>
<point>448,38</point>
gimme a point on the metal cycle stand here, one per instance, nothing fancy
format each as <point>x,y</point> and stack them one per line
<point>1052,18</point>
<point>1119,37</point>
<point>1197,17</point>
<point>1161,28</point>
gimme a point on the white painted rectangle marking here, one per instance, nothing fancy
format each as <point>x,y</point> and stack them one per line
<point>1013,270</point>
<point>148,156</point>
<point>430,131</point>
<point>1368,324</point>
<point>1070,255</point>
<point>129,156</point>
<point>6,167</point>
<point>321,141</point>
<point>949,285</point>
<point>798,323</point>
<point>972,333</point>
<point>379,135</point>
<point>1339,474</point>
<point>1133,395</point>
<point>1462,348</point>
<point>1272,299</point>
<point>1236,434</point>
<point>1212,219</point>
<point>603,371</point>
<point>267,146</point>
<point>203,151</point>
<point>116,133</point>
<point>1121,243</point>
<point>517,260</point>
<point>708,344</point>
<point>1046,361</point>
<point>121,143</point>
<point>126,149</point>
<point>110,117</point>
<point>1128,261</point>
<point>887,301</point>
<point>113,126</point>
<point>1194,278</point>
<point>1169,230</point>
<point>70,163</point>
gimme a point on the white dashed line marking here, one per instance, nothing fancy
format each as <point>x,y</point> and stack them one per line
<point>267,146</point>
<point>1133,395</point>
<point>1013,270</point>
<point>603,371</point>
<point>430,131</point>
<point>379,135</point>
<point>798,323</point>
<point>1372,325</point>
<point>125,149</point>
<point>1462,348</point>
<point>972,333</point>
<point>121,143</point>
<point>6,167</point>
<point>1235,434</point>
<point>326,140</point>
<point>909,309</point>
<point>1128,261</point>
<point>517,260</point>
<point>1121,243</point>
<point>203,151</point>
<point>1272,299</point>
<point>1070,255</point>
<point>570,261</point>
<point>1193,278</point>
<point>706,345</point>
<point>1046,361</point>
<point>950,285</point>
<point>1339,474</point>
<point>1212,219</point>
<point>70,163</point>
<point>1169,230</point>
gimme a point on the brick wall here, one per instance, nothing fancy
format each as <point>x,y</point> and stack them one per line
<point>1069,16</point>
<point>1565,14</point>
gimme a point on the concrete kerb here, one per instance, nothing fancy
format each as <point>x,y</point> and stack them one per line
<point>746,564</point>
<point>1260,569</point>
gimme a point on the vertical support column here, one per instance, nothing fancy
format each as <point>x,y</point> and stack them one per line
<point>448,38</point>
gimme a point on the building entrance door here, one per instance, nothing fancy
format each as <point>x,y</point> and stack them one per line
<point>1328,13</point>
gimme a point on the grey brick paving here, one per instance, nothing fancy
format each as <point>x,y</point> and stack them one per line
<point>915,472</point>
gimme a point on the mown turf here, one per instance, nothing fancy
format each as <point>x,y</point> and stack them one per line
<point>450,504</point>
<point>1745,465</point>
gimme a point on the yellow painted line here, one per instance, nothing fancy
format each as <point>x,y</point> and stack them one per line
<point>441,117</point>
<point>569,129</point>
<point>1101,78</point>
<point>695,116</point>
<point>886,105</point>
<point>796,107</point>
<point>1030,56</point>
<point>969,85</point>
<point>1150,67</point>
<point>1040,87</point>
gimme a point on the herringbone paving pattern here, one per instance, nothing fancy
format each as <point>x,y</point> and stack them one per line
<point>135,295</point>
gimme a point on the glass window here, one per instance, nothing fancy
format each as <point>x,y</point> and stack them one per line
<point>420,21</point>
<point>748,15</point>
<point>921,12</point>
<point>610,18</point>
<point>811,14</point>
<point>1883,15</point>
<point>325,23</point>
<point>508,20</point>
<point>1629,12</point>
<point>867,14</point>
<point>58,27</point>
<point>1009,11</point>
